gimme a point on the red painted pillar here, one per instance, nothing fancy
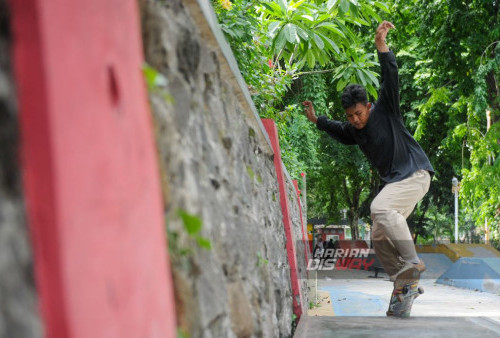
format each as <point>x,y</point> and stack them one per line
<point>90,170</point>
<point>290,243</point>
<point>304,231</point>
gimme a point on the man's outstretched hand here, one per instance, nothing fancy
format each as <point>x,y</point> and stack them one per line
<point>381,34</point>
<point>310,113</point>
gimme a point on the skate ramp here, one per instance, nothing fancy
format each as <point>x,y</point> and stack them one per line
<point>484,252</point>
<point>481,274</point>
<point>436,263</point>
<point>456,251</point>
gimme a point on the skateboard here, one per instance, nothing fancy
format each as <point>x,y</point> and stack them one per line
<point>405,291</point>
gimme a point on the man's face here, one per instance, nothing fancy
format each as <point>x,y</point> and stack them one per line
<point>358,115</point>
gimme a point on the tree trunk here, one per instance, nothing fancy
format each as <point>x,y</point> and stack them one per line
<point>417,228</point>
<point>354,205</point>
<point>353,222</point>
<point>493,94</point>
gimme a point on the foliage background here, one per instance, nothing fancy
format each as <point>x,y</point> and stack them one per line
<point>448,54</point>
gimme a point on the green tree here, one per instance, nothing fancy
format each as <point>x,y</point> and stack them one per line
<point>291,51</point>
<point>448,81</point>
<point>274,40</point>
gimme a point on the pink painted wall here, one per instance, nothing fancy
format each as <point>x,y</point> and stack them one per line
<point>90,170</point>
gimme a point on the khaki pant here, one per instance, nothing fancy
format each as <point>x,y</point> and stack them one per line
<point>391,236</point>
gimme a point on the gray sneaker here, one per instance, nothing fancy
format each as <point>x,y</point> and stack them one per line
<point>420,266</point>
<point>407,266</point>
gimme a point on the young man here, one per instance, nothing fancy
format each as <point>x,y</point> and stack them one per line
<point>379,131</point>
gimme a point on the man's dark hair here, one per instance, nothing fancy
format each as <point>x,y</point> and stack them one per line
<point>354,94</point>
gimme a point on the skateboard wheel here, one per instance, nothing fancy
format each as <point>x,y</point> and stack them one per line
<point>420,290</point>
<point>405,290</point>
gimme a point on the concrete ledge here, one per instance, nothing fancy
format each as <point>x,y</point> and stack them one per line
<point>393,327</point>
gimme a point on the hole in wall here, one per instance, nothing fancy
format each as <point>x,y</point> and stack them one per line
<point>113,88</point>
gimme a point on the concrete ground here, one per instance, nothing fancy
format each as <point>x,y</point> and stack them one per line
<point>359,304</point>
<point>338,327</point>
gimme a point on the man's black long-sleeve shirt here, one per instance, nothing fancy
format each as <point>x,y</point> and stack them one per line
<point>384,140</point>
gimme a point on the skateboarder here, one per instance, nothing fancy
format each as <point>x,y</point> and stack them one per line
<point>379,131</point>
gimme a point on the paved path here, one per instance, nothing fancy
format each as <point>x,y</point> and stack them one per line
<point>370,297</point>
<point>359,304</point>
<point>339,327</point>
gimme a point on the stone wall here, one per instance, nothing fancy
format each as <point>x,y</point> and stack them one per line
<point>217,168</point>
<point>18,302</point>
<point>300,245</point>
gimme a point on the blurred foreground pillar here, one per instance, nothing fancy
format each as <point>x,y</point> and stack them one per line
<point>90,170</point>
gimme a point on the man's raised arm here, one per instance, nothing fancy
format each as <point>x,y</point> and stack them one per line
<point>337,130</point>
<point>389,84</point>
<point>381,34</point>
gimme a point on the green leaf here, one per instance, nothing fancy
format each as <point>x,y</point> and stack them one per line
<point>372,76</point>
<point>268,6</point>
<point>310,59</point>
<point>323,17</point>
<point>302,61</point>
<point>347,73</point>
<point>372,91</point>
<point>181,333</point>
<point>382,6</point>
<point>362,21</point>
<point>356,21</point>
<point>192,223</point>
<point>295,5</point>
<point>150,74</point>
<point>318,41</point>
<point>361,76</point>
<point>330,43</point>
<point>279,41</point>
<point>370,11</point>
<point>153,78</point>
<point>347,31</point>
<point>283,5</point>
<point>204,243</point>
<point>291,33</point>
<point>273,26</point>
<point>338,73</point>
<point>302,33</point>
<point>331,4</point>
<point>344,5</point>
<point>321,57</point>
<point>354,9</point>
<point>341,84</point>
<point>460,130</point>
<point>331,27</point>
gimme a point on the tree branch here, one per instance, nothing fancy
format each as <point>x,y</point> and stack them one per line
<point>346,191</point>
<point>484,52</point>
<point>315,72</point>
